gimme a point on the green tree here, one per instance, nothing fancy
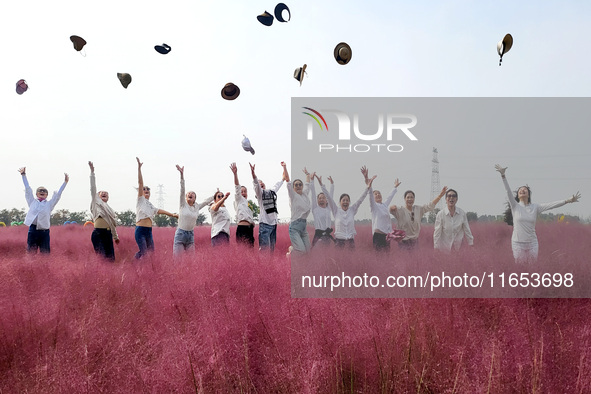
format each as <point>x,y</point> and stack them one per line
<point>14,215</point>
<point>254,208</point>
<point>432,216</point>
<point>472,216</point>
<point>200,219</point>
<point>126,218</point>
<point>165,221</point>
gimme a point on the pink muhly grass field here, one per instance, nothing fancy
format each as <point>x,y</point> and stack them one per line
<point>224,321</point>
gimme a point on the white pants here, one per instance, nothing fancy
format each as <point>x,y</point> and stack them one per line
<point>525,252</point>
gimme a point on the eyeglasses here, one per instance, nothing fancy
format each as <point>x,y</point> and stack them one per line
<point>42,191</point>
<point>412,216</point>
<point>147,189</point>
<point>298,184</point>
<point>219,196</point>
<point>452,196</point>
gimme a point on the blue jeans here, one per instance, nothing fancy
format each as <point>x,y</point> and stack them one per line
<point>37,239</point>
<point>298,235</point>
<point>267,236</point>
<point>144,240</point>
<point>183,241</point>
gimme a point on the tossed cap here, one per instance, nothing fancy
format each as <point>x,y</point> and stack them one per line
<point>265,18</point>
<point>279,8</point>
<point>246,145</point>
<point>78,42</point>
<point>299,73</point>
<point>163,49</point>
<point>504,46</point>
<point>230,91</point>
<point>125,79</point>
<point>343,53</point>
<point>21,86</point>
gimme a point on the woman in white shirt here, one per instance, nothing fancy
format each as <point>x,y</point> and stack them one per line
<point>381,223</point>
<point>184,238</point>
<point>104,220</point>
<point>220,220</point>
<point>299,202</point>
<point>145,213</point>
<point>344,215</point>
<point>321,213</point>
<point>524,240</point>
<point>451,223</point>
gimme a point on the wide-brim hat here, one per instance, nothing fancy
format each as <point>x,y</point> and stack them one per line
<point>265,18</point>
<point>299,72</point>
<point>505,44</point>
<point>78,42</point>
<point>163,49</point>
<point>125,79</point>
<point>343,53</point>
<point>21,86</point>
<point>279,8</point>
<point>230,91</point>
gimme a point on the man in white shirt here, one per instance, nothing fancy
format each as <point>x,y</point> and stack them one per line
<point>451,224</point>
<point>244,216</point>
<point>268,216</point>
<point>39,215</point>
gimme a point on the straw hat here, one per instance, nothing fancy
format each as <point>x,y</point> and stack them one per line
<point>299,73</point>
<point>279,8</point>
<point>125,79</point>
<point>504,46</point>
<point>265,18</point>
<point>230,91</point>
<point>163,49</point>
<point>343,53</point>
<point>21,86</point>
<point>78,42</point>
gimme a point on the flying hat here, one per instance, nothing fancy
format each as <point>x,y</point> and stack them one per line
<point>279,8</point>
<point>21,86</point>
<point>78,42</point>
<point>504,46</point>
<point>163,49</point>
<point>265,18</point>
<point>299,73</point>
<point>125,79</point>
<point>343,53</point>
<point>246,145</point>
<point>230,91</point>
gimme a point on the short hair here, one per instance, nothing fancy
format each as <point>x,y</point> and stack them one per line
<point>409,191</point>
<point>343,195</point>
<point>452,190</point>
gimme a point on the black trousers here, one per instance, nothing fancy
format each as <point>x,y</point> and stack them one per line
<point>245,235</point>
<point>102,240</point>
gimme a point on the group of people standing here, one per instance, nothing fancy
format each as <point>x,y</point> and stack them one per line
<point>451,224</point>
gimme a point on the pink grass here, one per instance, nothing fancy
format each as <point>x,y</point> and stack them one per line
<point>224,321</point>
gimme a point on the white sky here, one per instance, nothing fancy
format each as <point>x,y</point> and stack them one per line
<point>172,113</point>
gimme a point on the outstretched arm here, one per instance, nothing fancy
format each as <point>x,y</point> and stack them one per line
<point>234,170</point>
<point>92,181</point>
<point>28,191</point>
<point>140,178</point>
<point>285,173</point>
<point>163,212</point>
<point>182,171</point>
<point>436,200</point>
<point>216,206</point>
<point>502,170</point>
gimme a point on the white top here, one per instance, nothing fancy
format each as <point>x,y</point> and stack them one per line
<point>243,211</point>
<point>264,217</point>
<point>188,214</point>
<point>99,208</point>
<point>322,216</point>
<point>40,211</point>
<point>220,221</point>
<point>450,230</point>
<point>411,227</point>
<point>299,203</point>
<point>344,221</point>
<point>380,214</point>
<point>144,209</point>
<point>524,216</point>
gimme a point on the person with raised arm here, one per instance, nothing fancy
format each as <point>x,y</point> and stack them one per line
<point>104,220</point>
<point>321,213</point>
<point>524,240</point>
<point>220,220</point>
<point>145,213</point>
<point>409,217</point>
<point>344,215</point>
<point>39,215</point>
<point>267,199</point>
<point>299,203</point>
<point>381,223</point>
<point>184,238</point>
<point>244,215</point>
<point>451,223</point>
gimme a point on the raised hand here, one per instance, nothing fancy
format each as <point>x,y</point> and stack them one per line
<point>501,169</point>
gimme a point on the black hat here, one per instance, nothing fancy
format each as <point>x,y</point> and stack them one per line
<point>163,49</point>
<point>343,53</point>
<point>279,10</point>
<point>265,18</point>
<point>230,91</point>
